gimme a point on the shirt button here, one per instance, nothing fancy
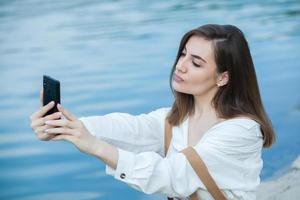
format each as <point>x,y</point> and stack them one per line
<point>122,176</point>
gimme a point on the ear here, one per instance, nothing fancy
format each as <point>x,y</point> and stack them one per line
<point>222,79</point>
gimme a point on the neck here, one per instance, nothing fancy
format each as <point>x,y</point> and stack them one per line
<point>203,106</point>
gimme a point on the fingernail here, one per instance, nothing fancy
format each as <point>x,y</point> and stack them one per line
<point>47,122</point>
<point>51,102</point>
<point>46,131</point>
<point>58,105</point>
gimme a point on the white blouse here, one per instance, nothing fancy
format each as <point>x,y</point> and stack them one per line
<point>230,149</point>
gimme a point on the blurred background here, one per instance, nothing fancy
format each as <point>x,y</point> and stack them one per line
<point>116,56</point>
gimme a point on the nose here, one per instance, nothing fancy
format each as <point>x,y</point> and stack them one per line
<point>182,64</point>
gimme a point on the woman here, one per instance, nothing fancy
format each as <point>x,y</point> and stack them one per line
<point>217,110</point>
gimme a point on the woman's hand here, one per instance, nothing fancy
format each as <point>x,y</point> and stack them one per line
<point>53,127</point>
<point>72,130</point>
<point>38,121</point>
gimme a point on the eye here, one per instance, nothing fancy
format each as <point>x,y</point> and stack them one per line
<point>182,54</point>
<point>196,65</point>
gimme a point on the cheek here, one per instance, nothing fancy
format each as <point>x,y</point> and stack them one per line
<point>198,82</point>
<point>199,78</point>
<point>201,83</point>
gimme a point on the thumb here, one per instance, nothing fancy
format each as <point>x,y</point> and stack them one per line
<point>66,113</point>
<point>41,96</point>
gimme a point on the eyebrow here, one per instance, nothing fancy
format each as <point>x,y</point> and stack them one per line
<point>196,56</point>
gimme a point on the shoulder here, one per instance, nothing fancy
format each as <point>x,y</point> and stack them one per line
<point>236,129</point>
<point>235,137</point>
<point>160,113</point>
<point>239,123</point>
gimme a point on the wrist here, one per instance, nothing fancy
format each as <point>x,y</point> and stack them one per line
<point>106,152</point>
<point>96,148</point>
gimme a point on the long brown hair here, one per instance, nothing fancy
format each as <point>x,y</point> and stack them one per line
<point>240,96</point>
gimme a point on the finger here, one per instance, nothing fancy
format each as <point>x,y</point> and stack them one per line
<point>56,115</point>
<point>41,135</point>
<point>41,96</point>
<point>44,136</point>
<point>61,122</point>
<point>41,121</point>
<point>42,128</point>
<point>41,112</point>
<point>61,130</point>
<point>66,113</point>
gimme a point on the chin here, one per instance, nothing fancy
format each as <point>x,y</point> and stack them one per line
<point>180,90</point>
<point>177,88</point>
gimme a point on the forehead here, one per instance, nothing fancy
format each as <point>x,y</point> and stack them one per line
<point>200,46</point>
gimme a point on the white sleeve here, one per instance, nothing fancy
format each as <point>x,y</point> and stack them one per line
<point>173,176</point>
<point>136,133</point>
<point>144,132</point>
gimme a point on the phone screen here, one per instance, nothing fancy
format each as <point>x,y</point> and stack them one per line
<point>51,92</point>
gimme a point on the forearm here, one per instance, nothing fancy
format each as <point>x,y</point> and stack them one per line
<point>106,152</point>
<point>123,130</point>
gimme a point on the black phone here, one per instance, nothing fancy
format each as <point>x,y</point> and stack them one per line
<point>51,92</point>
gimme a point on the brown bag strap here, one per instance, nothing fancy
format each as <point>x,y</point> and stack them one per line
<point>202,172</point>
<point>197,164</point>
<point>168,135</point>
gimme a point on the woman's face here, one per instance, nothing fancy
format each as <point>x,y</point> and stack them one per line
<point>196,71</point>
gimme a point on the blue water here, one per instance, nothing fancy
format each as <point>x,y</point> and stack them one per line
<point>116,56</point>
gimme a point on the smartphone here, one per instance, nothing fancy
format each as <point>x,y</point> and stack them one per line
<point>51,92</point>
